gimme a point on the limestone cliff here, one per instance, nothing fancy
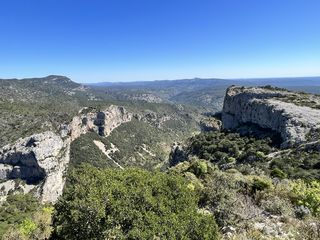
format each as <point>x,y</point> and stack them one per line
<point>41,160</point>
<point>295,116</point>
<point>102,122</point>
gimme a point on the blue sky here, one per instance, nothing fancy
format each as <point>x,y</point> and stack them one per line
<point>126,40</point>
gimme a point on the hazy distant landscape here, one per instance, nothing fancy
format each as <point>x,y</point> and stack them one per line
<point>205,93</point>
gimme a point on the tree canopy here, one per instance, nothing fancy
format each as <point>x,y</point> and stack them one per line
<point>130,204</point>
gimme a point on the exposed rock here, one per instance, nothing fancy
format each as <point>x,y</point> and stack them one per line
<point>54,182</point>
<point>81,125</point>
<point>154,119</point>
<point>41,160</point>
<point>102,147</point>
<point>5,171</point>
<point>37,160</point>
<point>114,117</point>
<point>273,228</point>
<point>145,97</point>
<point>144,148</point>
<point>177,155</point>
<point>101,122</point>
<point>32,157</point>
<point>210,124</point>
<point>228,230</point>
<point>273,109</point>
<point>12,186</point>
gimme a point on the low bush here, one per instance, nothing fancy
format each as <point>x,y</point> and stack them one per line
<point>307,194</point>
<point>130,204</point>
<point>199,168</point>
<point>24,218</point>
<point>278,173</point>
<point>260,184</point>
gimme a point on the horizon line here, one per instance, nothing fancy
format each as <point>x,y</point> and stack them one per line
<point>172,79</point>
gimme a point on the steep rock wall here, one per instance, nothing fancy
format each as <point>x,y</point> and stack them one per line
<point>37,160</point>
<point>102,122</point>
<point>266,108</point>
<point>41,160</point>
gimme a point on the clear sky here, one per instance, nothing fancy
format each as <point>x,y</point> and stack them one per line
<point>126,40</point>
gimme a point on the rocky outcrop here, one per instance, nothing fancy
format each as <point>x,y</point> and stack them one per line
<point>210,124</point>
<point>154,118</point>
<point>145,97</point>
<point>41,160</point>
<point>111,118</point>
<point>272,108</point>
<point>178,154</point>
<point>101,122</point>
<point>30,158</point>
<point>38,160</point>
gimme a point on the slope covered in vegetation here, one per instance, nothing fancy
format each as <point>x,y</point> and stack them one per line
<point>130,204</point>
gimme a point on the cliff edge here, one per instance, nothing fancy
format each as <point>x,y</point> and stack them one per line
<point>41,160</point>
<point>295,116</point>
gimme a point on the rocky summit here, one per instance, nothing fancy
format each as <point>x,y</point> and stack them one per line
<point>295,116</point>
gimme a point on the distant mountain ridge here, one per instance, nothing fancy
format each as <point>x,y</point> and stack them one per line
<point>206,94</point>
<point>278,81</point>
<point>36,89</point>
<point>285,81</point>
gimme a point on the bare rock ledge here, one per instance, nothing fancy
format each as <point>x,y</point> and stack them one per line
<point>272,108</point>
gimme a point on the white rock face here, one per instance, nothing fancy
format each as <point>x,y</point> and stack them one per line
<point>42,159</point>
<point>53,185</point>
<point>266,108</point>
<point>10,185</point>
<point>37,160</point>
<point>114,116</point>
<point>102,122</point>
<point>5,171</point>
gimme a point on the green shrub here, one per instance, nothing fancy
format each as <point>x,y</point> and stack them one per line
<point>199,168</point>
<point>130,204</point>
<point>298,163</point>
<point>260,184</point>
<point>277,206</point>
<point>27,227</point>
<point>38,226</point>
<point>307,195</point>
<point>231,160</point>
<point>276,172</point>
<point>260,154</point>
<point>223,147</point>
<point>16,209</point>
